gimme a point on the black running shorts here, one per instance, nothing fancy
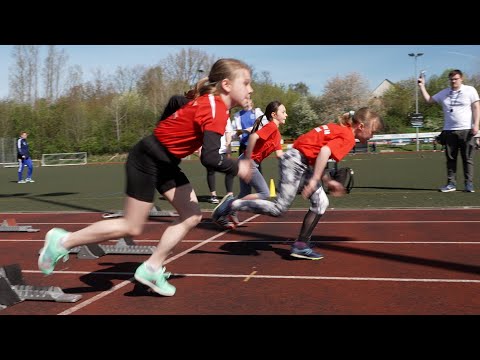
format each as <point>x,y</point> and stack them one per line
<point>151,166</point>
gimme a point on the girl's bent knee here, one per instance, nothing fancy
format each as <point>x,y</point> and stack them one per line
<point>193,220</point>
<point>135,231</point>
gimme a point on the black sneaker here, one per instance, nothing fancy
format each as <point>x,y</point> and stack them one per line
<point>225,223</point>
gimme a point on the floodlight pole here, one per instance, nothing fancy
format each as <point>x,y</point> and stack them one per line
<point>415,56</point>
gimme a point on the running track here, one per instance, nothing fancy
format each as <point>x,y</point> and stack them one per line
<point>377,262</point>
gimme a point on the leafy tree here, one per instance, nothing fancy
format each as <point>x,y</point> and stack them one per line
<point>301,118</point>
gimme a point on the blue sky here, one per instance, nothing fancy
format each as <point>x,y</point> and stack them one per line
<point>287,64</point>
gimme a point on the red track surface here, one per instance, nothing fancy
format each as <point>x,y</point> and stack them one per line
<point>377,262</point>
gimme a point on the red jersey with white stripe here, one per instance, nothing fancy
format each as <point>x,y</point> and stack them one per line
<point>269,139</point>
<point>340,140</point>
<point>182,132</point>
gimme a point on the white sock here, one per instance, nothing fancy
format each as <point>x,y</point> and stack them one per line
<point>62,241</point>
<point>151,268</point>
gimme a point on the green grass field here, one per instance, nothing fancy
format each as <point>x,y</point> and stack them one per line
<point>382,180</point>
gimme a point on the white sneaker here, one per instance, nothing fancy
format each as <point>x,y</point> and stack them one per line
<point>21,181</point>
<point>213,199</point>
<point>29,180</point>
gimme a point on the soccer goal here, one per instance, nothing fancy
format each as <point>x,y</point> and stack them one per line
<point>8,152</point>
<point>63,159</point>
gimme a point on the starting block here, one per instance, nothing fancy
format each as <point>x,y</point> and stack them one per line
<point>10,225</point>
<point>153,213</point>
<point>13,289</point>
<point>124,246</point>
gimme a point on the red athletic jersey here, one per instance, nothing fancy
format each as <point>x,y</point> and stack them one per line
<point>340,140</point>
<point>269,139</point>
<point>182,132</point>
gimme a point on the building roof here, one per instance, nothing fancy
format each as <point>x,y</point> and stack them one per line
<point>382,88</point>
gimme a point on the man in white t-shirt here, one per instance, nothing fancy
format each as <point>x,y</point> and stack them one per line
<point>461,111</point>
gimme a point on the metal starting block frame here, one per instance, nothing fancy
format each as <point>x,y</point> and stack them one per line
<point>10,225</point>
<point>124,246</point>
<point>13,289</point>
<point>153,213</point>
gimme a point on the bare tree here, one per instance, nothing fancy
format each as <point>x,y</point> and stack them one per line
<point>100,85</point>
<point>186,67</point>
<point>120,107</point>
<point>23,75</point>
<point>74,82</point>
<point>52,72</point>
<point>264,78</point>
<point>127,78</point>
<point>153,88</point>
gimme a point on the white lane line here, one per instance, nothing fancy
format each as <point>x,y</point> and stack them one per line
<point>299,222</point>
<point>399,242</point>
<point>129,281</point>
<point>250,276</point>
<point>293,277</point>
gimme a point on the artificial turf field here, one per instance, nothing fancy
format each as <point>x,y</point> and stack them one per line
<point>382,180</point>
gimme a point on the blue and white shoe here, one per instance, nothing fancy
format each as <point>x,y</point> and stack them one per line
<point>448,188</point>
<point>304,252</point>
<point>224,208</point>
<point>469,187</point>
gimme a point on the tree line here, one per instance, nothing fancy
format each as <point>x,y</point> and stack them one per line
<point>111,112</point>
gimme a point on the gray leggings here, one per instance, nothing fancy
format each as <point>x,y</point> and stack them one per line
<point>294,174</point>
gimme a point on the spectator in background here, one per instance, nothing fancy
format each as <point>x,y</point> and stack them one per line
<point>261,144</point>
<point>243,121</point>
<point>24,159</point>
<point>226,149</point>
<point>461,112</point>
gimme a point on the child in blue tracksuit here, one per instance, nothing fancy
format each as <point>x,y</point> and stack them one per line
<point>23,155</point>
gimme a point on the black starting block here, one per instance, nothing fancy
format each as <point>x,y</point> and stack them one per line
<point>153,213</point>
<point>14,290</point>
<point>124,246</point>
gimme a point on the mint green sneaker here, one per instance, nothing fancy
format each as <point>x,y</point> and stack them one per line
<point>52,251</point>
<point>156,281</point>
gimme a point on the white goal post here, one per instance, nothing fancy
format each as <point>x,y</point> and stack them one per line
<point>63,159</point>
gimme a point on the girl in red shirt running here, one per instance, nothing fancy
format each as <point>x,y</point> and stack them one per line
<point>153,164</point>
<point>302,167</point>
<point>261,144</point>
